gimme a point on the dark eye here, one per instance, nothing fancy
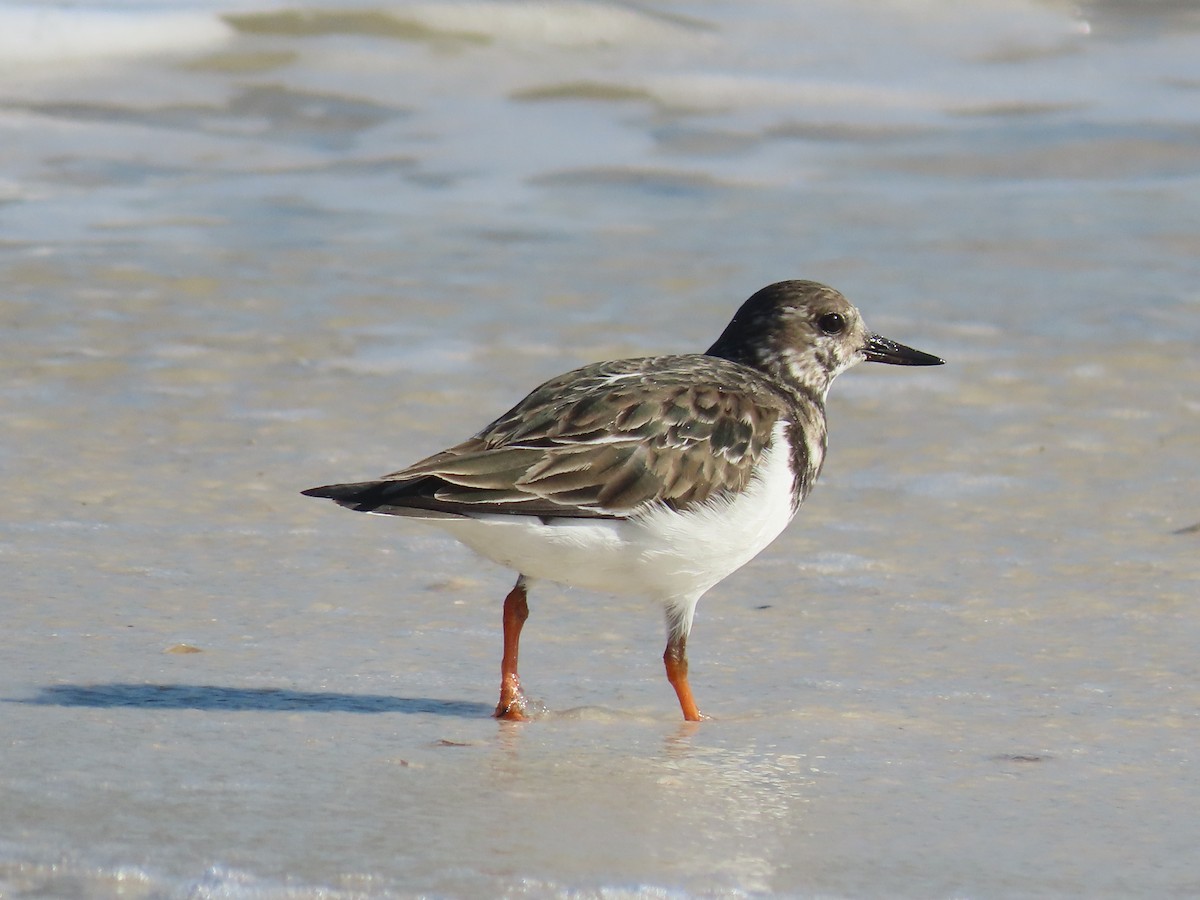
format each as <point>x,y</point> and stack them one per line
<point>831,323</point>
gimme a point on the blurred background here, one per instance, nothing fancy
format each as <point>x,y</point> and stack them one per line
<point>250,247</point>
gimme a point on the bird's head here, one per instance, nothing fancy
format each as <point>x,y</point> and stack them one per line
<point>805,334</point>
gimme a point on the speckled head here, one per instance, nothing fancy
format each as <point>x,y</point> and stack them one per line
<point>803,334</point>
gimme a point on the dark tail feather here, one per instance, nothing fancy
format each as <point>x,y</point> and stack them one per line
<point>398,497</point>
<point>364,496</point>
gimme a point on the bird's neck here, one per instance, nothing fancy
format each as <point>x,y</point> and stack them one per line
<point>803,379</point>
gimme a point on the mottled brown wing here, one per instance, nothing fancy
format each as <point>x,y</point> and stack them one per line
<point>598,442</point>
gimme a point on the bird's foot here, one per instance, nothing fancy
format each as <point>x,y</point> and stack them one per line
<point>512,706</point>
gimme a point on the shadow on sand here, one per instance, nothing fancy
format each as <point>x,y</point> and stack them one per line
<point>213,697</point>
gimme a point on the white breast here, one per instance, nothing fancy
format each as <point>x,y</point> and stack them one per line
<point>672,556</point>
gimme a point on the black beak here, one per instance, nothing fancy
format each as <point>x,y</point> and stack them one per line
<point>880,349</point>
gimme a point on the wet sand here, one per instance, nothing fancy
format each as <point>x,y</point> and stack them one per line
<point>968,668</point>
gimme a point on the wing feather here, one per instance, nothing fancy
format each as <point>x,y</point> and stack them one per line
<point>602,441</point>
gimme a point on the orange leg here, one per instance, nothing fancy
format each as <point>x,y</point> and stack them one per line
<point>516,611</point>
<point>675,659</point>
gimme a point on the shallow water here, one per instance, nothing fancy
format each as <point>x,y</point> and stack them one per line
<point>247,250</point>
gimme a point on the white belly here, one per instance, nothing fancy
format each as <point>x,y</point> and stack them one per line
<point>673,557</point>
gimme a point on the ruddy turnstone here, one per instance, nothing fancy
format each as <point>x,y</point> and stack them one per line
<point>657,476</point>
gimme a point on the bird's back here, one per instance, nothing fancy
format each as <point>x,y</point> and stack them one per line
<point>603,441</point>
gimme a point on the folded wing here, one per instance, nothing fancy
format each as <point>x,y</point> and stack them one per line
<point>599,442</point>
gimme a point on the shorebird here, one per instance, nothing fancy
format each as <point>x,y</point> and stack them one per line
<point>657,476</point>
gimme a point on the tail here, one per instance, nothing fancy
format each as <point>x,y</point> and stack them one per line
<point>392,497</point>
<point>363,496</point>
